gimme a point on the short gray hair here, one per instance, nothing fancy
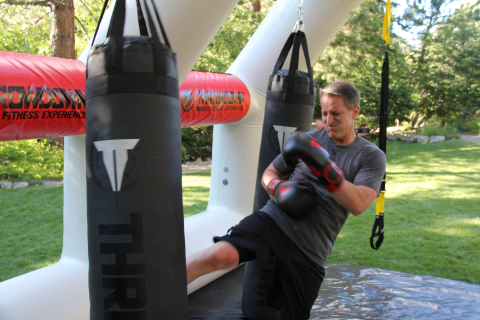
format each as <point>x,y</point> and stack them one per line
<point>345,89</point>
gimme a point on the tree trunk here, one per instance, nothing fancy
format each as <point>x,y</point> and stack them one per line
<point>62,39</point>
<point>413,119</point>
<point>62,33</point>
<point>420,121</point>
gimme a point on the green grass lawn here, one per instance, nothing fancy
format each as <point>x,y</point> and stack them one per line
<point>31,229</point>
<point>432,216</point>
<point>196,189</point>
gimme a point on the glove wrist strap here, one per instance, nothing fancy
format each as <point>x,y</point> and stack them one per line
<point>272,185</point>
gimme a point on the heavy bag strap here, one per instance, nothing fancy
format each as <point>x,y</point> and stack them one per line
<point>141,20</point>
<point>296,39</point>
<point>114,48</point>
<point>99,20</point>
<point>283,56</point>
<point>160,66</point>
<point>300,40</point>
<point>162,29</point>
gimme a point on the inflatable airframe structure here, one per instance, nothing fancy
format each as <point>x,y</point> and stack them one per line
<point>61,291</point>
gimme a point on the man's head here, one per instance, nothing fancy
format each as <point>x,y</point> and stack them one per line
<point>319,124</point>
<point>340,103</point>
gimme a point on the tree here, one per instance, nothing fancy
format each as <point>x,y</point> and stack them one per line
<point>87,14</point>
<point>450,84</point>
<point>421,19</point>
<point>24,29</point>
<point>356,55</point>
<point>233,35</point>
<point>68,24</point>
<point>62,37</point>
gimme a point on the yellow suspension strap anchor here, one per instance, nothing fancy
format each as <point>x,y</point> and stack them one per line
<point>377,230</point>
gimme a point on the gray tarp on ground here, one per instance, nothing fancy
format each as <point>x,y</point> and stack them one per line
<point>353,292</point>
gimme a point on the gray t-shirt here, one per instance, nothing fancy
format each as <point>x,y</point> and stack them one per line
<point>363,164</point>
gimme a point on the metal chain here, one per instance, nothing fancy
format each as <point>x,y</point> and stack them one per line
<point>299,26</point>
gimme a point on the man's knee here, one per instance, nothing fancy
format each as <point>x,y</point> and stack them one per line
<point>225,255</point>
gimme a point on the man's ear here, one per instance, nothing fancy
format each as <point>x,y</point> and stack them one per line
<point>355,111</point>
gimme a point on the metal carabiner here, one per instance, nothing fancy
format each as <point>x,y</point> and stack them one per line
<point>299,25</point>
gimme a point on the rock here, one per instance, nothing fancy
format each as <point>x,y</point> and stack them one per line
<point>394,137</point>
<point>199,159</point>
<point>18,185</point>
<point>436,139</point>
<point>421,139</point>
<point>6,185</point>
<point>408,139</point>
<point>51,183</point>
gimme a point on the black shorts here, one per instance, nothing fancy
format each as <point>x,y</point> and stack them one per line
<point>297,278</point>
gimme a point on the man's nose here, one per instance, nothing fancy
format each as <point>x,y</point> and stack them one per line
<point>328,119</point>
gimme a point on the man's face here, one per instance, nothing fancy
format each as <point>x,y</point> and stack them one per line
<point>338,121</point>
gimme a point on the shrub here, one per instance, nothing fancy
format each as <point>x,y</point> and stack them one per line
<point>436,129</point>
<point>474,127</point>
<point>197,143</point>
<point>31,160</point>
<point>406,125</point>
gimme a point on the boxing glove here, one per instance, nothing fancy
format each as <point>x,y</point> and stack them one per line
<point>302,146</point>
<point>295,198</point>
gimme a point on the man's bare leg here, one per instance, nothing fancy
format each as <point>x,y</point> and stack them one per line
<point>221,255</point>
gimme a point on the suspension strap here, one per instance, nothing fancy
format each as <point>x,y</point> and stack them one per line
<point>378,225</point>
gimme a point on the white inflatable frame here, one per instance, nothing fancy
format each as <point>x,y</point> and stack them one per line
<point>60,291</point>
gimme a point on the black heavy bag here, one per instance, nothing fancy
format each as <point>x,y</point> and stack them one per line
<point>289,108</point>
<point>136,243</point>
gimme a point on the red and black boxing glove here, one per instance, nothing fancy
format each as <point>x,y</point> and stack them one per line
<point>295,198</point>
<point>302,146</point>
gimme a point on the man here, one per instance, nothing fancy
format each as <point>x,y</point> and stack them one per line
<point>302,237</point>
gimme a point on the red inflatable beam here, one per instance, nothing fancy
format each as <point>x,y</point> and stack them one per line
<point>43,97</point>
<point>208,98</point>
<point>40,97</point>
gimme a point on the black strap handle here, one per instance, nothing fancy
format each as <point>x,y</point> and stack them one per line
<point>378,225</point>
<point>141,20</point>
<point>99,20</point>
<point>114,50</point>
<point>296,39</point>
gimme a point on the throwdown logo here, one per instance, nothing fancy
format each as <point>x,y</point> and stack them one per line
<point>284,134</point>
<point>115,157</point>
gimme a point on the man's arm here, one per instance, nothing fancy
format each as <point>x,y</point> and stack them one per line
<point>355,199</point>
<point>269,174</point>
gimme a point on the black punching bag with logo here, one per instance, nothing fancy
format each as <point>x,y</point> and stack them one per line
<point>136,243</point>
<point>289,107</point>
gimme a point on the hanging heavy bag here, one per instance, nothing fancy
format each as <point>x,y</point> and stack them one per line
<point>289,107</point>
<point>136,243</point>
